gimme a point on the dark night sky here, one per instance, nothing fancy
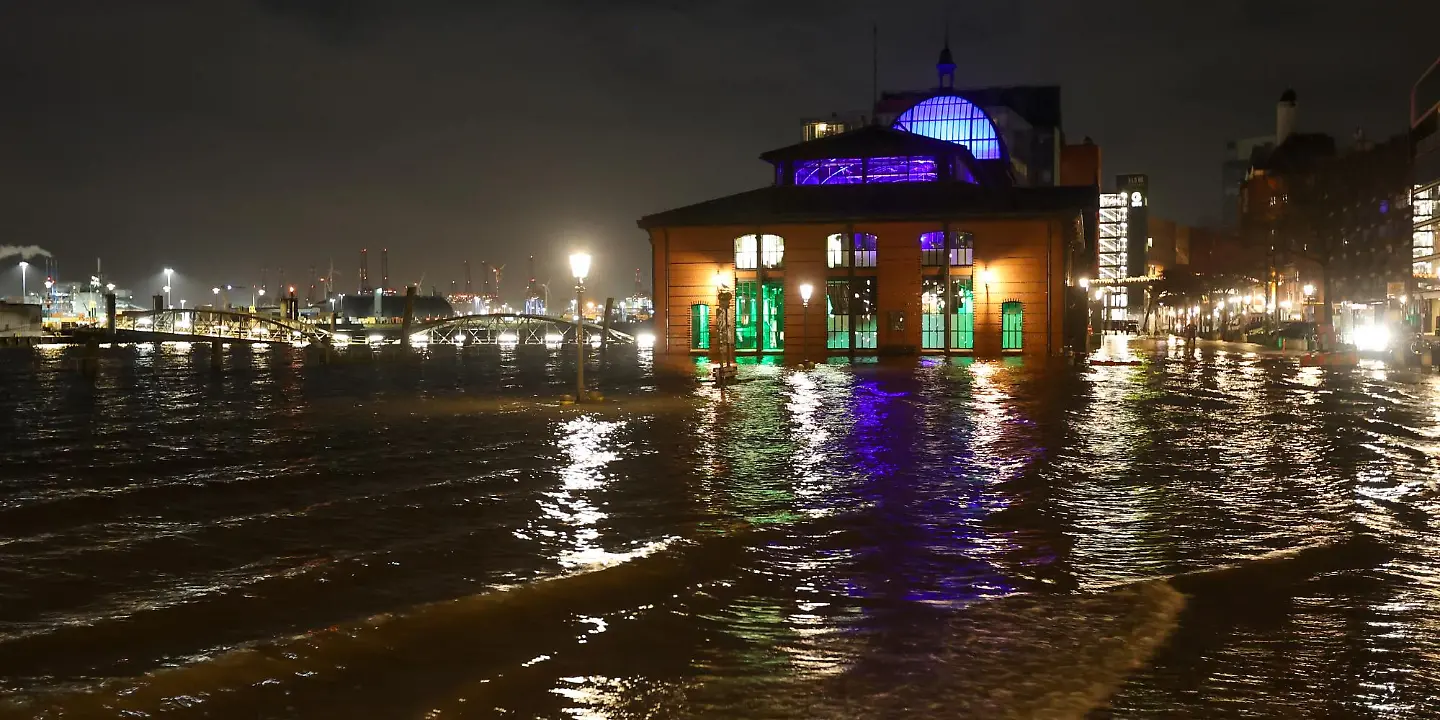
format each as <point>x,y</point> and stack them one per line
<point>223,135</point>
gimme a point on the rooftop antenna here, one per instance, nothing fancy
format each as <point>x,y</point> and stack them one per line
<point>874,70</point>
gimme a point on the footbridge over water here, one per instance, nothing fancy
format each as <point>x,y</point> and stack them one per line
<point>513,329</point>
<point>203,324</point>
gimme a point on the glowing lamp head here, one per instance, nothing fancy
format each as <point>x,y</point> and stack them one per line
<point>720,280</point>
<point>110,287</point>
<point>24,264</point>
<point>580,265</point>
<point>1084,283</point>
<point>806,290</point>
<point>1309,289</point>
<point>987,276</point>
<point>169,272</point>
<point>215,290</point>
<point>261,292</point>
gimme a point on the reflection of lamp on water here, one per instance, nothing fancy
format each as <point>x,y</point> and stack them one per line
<point>806,289</point>
<point>580,267</point>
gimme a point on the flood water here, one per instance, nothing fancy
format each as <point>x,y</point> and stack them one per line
<point>441,538</point>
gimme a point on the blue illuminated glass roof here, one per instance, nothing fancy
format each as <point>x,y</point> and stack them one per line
<point>953,119</point>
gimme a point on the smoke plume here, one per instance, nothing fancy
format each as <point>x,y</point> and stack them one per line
<point>24,251</point>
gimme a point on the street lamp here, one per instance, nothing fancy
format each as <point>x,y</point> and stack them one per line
<point>168,273</point>
<point>806,289</point>
<point>580,267</point>
<point>1309,290</point>
<point>23,267</point>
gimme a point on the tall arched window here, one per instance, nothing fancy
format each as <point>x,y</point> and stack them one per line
<point>932,249</point>
<point>747,255</point>
<point>1012,325</point>
<point>772,250</point>
<point>752,250</point>
<point>860,250</point>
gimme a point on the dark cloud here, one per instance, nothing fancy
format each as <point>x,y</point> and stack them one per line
<point>223,136</point>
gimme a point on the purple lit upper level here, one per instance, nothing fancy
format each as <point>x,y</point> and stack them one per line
<point>878,154</point>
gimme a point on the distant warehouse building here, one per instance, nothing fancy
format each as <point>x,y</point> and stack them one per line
<point>923,235</point>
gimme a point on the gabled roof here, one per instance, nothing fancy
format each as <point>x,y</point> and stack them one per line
<point>869,141</point>
<point>885,201</point>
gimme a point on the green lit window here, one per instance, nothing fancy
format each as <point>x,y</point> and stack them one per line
<point>746,314</point>
<point>837,314</point>
<point>1012,322</point>
<point>699,326</point>
<point>932,313</point>
<point>962,324</point>
<point>774,324</point>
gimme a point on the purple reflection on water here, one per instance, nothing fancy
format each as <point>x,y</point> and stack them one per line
<point>925,514</point>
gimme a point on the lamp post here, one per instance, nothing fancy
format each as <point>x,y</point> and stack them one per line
<point>23,267</point>
<point>580,267</point>
<point>806,289</point>
<point>168,273</point>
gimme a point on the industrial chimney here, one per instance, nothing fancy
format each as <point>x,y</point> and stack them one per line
<point>1284,117</point>
<point>364,271</point>
<point>384,268</point>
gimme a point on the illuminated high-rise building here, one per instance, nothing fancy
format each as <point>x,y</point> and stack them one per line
<point>1425,196</point>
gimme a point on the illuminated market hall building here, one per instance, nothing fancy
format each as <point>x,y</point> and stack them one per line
<point>919,236</point>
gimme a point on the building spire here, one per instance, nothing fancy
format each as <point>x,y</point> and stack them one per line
<point>946,67</point>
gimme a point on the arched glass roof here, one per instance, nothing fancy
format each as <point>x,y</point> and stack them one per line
<point>953,119</point>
